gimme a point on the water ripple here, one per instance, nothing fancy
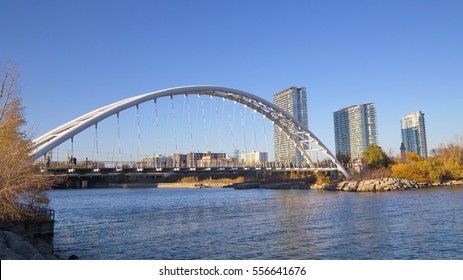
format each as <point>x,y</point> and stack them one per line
<point>258,224</point>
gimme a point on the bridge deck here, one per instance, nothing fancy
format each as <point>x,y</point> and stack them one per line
<point>102,171</point>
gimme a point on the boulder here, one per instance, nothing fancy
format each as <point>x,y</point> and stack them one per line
<point>351,186</point>
<point>327,187</point>
<point>7,254</point>
<point>19,245</point>
<point>14,247</point>
<point>367,186</point>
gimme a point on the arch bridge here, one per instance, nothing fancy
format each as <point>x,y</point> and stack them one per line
<point>302,138</point>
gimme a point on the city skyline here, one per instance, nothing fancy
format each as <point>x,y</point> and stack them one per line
<point>343,53</point>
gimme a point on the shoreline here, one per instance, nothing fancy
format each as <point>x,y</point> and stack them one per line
<point>382,185</point>
<point>372,185</point>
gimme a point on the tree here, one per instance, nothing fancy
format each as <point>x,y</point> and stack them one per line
<point>413,157</point>
<point>452,157</point>
<point>419,169</point>
<point>432,169</point>
<point>343,159</point>
<point>21,183</point>
<point>375,157</point>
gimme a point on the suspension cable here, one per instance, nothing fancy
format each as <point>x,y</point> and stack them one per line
<point>243,122</point>
<point>133,138</point>
<point>232,126</point>
<point>139,137</point>
<point>119,141</point>
<point>72,146</point>
<point>218,123</point>
<point>173,121</point>
<point>265,134</point>
<point>198,111</point>
<point>157,132</point>
<point>204,123</point>
<point>210,119</point>
<point>114,145</point>
<point>151,136</point>
<point>254,129</point>
<point>189,123</point>
<point>183,122</point>
<point>95,159</point>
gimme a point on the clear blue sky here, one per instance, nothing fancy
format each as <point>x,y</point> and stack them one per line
<point>403,56</point>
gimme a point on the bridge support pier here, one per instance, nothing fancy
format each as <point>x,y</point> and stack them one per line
<point>77,184</point>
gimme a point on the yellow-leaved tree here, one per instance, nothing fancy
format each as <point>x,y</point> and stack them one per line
<point>452,158</point>
<point>22,185</point>
<point>419,169</point>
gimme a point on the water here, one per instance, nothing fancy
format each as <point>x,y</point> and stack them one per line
<point>258,224</point>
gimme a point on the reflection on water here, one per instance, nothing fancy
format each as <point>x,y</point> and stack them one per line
<point>258,224</point>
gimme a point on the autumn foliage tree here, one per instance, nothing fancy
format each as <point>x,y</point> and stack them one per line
<point>375,157</point>
<point>446,163</point>
<point>21,184</point>
<point>451,156</point>
<point>419,169</point>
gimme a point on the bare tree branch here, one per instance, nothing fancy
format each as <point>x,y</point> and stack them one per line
<point>8,87</point>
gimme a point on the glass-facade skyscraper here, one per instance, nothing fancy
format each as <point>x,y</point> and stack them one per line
<point>355,130</point>
<point>414,133</point>
<point>294,101</point>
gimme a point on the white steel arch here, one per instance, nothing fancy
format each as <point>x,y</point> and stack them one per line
<point>302,138</point>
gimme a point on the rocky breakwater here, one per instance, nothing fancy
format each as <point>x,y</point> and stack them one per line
<point>376,185</point>
<point>14,247</point>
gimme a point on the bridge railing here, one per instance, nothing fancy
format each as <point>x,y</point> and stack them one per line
<point>150,165</point>
<point>40,211</point>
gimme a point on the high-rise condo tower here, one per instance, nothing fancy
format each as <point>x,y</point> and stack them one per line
<point>294,101</point>
<point>355,130</point>
<point>414,134</point>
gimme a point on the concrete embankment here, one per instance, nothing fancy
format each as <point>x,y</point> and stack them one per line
<point>14,247</point>
<point>380,185</point>
<point>269,185</point>
<point>197,185</point>
<point>177,185</point>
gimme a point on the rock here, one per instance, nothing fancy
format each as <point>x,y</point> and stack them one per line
<point>367,186</point>
<point>317,187</point>
<point>37,257</point>
<point>14,247</point>
<point>7,254</point>
<point>353,186</point>
<point>382,187</point>
<point>326,187</point>
<point>452,183</point>
<point>377,185</point>
<point>43,247</point>
<point>2,241</point>
<point>19,245</point>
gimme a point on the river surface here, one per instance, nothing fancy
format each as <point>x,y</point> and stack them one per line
<point>258,224</point>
